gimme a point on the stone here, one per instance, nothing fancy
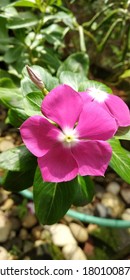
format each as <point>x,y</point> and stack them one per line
<point>15,223</point>
<point>101,210</point>
<point>23,234</point>
<point>3,196</point>
<point>29,220</point>
<point>61,235</point>
<point>125,193</point>
<point>114,204</point>
<point>28,246</point>
<point>45,235</point>
<point>99,191</point>
<point>92,227</point>
<point>36,232</point>
<point>7,204</point>
<point>3,253</point>
<point>5,144</point>
<point>88,249</point>
<point>113,187</point>
<point>126,214</point>
<point>79,232</point>
<point>73,252</point>
<point>5,227</point>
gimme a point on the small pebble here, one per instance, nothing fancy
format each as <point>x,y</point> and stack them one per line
<point>7,204</point>
<point>3,254</point>
<point>114,204</point>
<point>101,210</point>
<point>73,252</point>
<point>79,232</point>
<point>125,193</point>
<point>5,144</point>
<point>5,227</point>
<point>113,187</point>
<point>36,232</point>
<point>28,246</point>
<point>61,235</point>
<point>29,221</point>
<point>99,191</point>
<point>126,214</point>
<point>23,234</point>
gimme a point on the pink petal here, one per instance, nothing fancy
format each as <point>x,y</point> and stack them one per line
<point>85,96</point>
<point>95,123</point>
<point>58,165</point>
<point>92,157</point>
<point>62,105</point>
<point>119,110</point>
<point>39,135</point>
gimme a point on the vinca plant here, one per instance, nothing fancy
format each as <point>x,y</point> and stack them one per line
<point>70,127</point>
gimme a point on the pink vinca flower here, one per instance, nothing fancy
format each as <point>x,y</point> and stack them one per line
<point>76,144</point>
<point>113,104</point>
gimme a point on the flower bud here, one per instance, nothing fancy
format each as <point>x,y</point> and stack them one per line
<point>36,80</point>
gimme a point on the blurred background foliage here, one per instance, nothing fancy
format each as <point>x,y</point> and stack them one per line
<point>46,32</point>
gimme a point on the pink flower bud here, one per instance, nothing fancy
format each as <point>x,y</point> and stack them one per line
<point>35,78</point>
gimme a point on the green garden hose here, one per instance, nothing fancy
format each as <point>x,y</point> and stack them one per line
<point>88,218</point>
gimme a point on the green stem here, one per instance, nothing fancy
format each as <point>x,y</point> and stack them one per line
<point>82,39</point>
<point>108,34</point>
<point>89,23</point>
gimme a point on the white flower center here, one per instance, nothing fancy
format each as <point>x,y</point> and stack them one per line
<point>68,137</point>
<point>97,94</point>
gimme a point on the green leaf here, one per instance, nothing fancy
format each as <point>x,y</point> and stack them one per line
<point>84,191</point>
<point>120,161</point>
<point>11,97</point>
<point>17,159</point>
<point>32,103</point>
<point>52,200</point>
<point>17,117</point>
<point>16,181</point>
<point>28,86</point>
<point>13,54</point>
<point>25,3</point>
<point>67,18</point>
<point>7,83</point>
<point>76,63</point>
<point>97,85</point>
<point>123,133</point>
<point>73,80</point>
<point>125,75</point>
<point>22,20</point>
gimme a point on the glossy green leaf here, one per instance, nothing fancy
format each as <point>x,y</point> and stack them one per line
<point>11,97</point>
<point>123,133</point>
<point>25,3</point>
<point>13,54</point>
<point>76,63</point>
<point>52,200</point>
<point>32,103</point>
<point>17,117</point>
<point>22,20</point>
<point>66,18</point>
<point>120,160</point>
<point>17,159</point>
<point>97,85</point>
<point>7,83</point>
<point>74,80</point>
<point>16,181</point>
<point>84,191</point>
